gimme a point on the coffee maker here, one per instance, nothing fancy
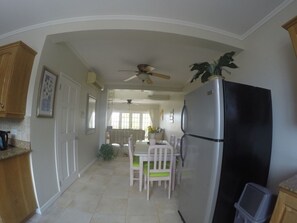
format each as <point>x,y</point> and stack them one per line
<point>4,139</point>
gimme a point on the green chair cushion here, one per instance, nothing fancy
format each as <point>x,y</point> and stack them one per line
<point>160,174</point>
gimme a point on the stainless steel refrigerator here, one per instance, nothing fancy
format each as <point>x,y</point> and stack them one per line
<point>226,143</point>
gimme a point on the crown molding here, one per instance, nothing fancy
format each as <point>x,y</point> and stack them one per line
<point>266,19</point>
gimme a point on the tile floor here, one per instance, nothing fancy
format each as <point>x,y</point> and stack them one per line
<point>103,195</point>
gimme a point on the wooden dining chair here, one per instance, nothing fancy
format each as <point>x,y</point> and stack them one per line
<point>159,166</point>
<point>134,162</point>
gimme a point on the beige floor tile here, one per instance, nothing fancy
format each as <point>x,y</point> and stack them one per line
<point>140,206</point>
<point>98,218</point>
<point>85,202</point>
<point>73,216</point>
<point>142,219</point>
<point>172,218</point>
<point>112,206</point>
<point>116,191</point>
<point>103,195</point>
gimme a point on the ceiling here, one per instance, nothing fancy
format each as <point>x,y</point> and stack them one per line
<point>108,51</point>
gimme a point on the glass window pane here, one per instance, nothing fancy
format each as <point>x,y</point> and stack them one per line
<point>115,120</point>
<point>135,120</point>
<point>125,121</point>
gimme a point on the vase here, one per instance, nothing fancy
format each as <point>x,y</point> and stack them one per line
<point>152,136</point>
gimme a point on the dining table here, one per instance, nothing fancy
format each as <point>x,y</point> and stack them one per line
<point>141,151</point>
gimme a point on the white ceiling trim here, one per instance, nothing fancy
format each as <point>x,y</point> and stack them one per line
<point>266,18</point>
<point>121,18</point>
<point>151,19</point>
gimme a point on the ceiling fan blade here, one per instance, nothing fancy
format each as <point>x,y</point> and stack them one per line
<point>149,81</point>
<point>130,78</point>
<point>160,75</point>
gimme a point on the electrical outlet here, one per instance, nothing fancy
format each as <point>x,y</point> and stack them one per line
<point>13,132</point>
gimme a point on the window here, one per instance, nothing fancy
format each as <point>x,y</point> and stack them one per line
<point>125,120</point>
<point>115,120</point>
<point>135,120</point>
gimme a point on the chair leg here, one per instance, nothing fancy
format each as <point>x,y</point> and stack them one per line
<point>148,190</point>
<point>131,177</point>
<point>169,189</point>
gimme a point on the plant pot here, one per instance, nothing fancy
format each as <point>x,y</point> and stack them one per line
<point>214,77</point>
<point>152,136</point>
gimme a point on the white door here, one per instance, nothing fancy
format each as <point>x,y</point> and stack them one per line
<point>66,131</point>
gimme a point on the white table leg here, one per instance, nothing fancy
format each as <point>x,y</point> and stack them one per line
<point>140,173</point>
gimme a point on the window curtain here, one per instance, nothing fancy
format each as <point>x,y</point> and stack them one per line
<point>153,117</point>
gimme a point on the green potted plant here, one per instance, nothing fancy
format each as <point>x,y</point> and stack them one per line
<point>106,151</point>
<point>207,70</point>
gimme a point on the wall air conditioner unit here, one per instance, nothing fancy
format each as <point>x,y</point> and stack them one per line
<point>95,81</point>
<point>159,97</point>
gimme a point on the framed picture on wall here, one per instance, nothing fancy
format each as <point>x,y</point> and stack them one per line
<point>47,90</point>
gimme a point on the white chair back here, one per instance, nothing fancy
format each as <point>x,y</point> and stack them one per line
<point>159,166</point>
<point>159,156</point>
<point>131,148</point>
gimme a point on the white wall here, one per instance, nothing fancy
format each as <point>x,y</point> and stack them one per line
<point>268,61</point>
<point>172,128</point>
<point>58,58</point>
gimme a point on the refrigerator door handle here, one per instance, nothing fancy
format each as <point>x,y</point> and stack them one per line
<point>181,149</point>
<point>182,117</point>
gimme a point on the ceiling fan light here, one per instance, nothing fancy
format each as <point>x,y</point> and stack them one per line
<point>143,76</point>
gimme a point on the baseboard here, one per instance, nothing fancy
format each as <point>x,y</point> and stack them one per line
<point>86,167</point>
<point>48,203</point>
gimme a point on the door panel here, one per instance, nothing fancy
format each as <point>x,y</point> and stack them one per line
<point>66,131</point>
<point>200,178</point>
<point>204,114</point>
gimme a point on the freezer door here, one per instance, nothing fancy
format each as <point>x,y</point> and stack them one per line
<point>204,114</point>
<point>200,179</point>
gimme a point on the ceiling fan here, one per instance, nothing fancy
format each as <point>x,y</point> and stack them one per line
<point>144,72</point>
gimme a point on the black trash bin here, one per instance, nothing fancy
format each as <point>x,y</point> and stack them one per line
<point>255,204</point>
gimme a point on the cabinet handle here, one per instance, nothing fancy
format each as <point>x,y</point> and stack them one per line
<point>1,105</point>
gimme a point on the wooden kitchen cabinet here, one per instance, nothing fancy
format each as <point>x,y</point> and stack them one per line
<point>291,26</point>
<point>285,210</point>
<point>16,62</point>
<point>16,189</point>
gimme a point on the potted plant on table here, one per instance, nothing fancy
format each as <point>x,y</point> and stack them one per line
<point>208,70</point>
<point>151,132</point>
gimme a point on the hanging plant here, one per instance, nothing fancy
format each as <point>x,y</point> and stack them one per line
<point>206,70</point>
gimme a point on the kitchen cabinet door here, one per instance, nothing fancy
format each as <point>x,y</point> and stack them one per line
<point>16,189</point>
<point>16,62</point>
<point>285,210</point>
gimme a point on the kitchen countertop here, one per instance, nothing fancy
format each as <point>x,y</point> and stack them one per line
<point>16,147</point>
<point>12,151</point>
<point>290,184</point>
